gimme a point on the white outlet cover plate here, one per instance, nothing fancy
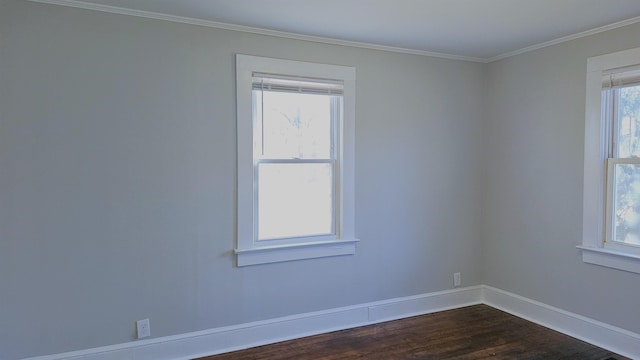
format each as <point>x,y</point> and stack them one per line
<point>144,328</point>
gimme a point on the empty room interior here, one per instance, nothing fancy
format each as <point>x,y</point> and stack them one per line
<point>464,165</point>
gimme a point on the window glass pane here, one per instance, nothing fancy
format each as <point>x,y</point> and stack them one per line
<point>294,200</point>
<point>626,227</point>
<point>293,125</point>
<point>628,118</point>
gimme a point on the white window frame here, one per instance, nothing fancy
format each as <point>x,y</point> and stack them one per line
<point>249,250</point>
<point>596,221</point>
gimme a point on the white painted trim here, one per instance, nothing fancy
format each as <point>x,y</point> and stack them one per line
<point>230,338</point>
<point>595,145</point>
<point>609,337</point>
<point>326,40</point>
<point>266,255</point>
<point>564,39</point>
<point>611,258</point>
<point>237,337</point>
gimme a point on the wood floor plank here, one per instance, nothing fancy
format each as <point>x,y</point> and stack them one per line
<point>474,332</point>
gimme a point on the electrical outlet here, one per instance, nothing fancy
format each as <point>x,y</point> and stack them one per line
<point>456,279</point>
<point>144,328</point>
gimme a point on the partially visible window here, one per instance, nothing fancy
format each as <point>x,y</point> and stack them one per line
<point>621,115</point>
<point>295,160</point>
<point>611,213</point>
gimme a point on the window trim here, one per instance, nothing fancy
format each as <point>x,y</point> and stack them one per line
<point>248,251</point>
<point>596,151</point>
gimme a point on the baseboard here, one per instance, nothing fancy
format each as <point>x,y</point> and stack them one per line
<point>608,337</point>
<point>225,339</point>
<point>230,338</point>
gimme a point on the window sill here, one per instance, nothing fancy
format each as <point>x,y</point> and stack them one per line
<point>610,258</point>
<point>273,254</point>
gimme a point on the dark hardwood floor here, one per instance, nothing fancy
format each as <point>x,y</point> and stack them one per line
<point>474,332</point>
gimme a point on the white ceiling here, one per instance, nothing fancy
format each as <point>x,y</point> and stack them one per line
<point>474,29</point>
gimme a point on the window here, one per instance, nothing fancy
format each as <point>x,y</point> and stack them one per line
<point>295,124</point>
<point>621,112</point>
<point>611,214</point>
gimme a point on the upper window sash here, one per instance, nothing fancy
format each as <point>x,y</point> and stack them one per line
<point>334,116</point>
<point>612,116</point>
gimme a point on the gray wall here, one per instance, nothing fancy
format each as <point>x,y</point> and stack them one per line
<point>532,206</point>
<point>117,180</point>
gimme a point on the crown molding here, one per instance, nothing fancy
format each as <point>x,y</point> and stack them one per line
<point>564,39</point>
<point>326,40</point>
<point>253,30</point>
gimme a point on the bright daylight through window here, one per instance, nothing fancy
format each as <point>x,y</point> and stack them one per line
<point>611,214</point>
<point>622,115</point>
<point>295,160</point>
<point>295,150</point>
